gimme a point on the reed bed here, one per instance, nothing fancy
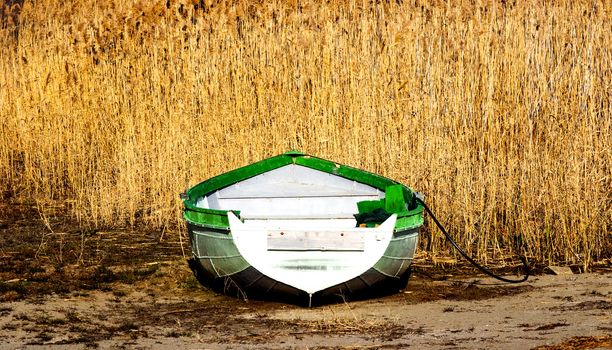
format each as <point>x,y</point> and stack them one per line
<point>498,111</point>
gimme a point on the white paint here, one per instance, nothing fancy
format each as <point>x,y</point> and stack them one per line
<point>294,192</point>
<point>299,227</point>
<point>315,269</point>
<point>300,223</point>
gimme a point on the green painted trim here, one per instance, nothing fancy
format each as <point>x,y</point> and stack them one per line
<point>231,177</point>
<point>395,201</point>
<point>368,206</point>
<point>217,221</point>
<point>407,220</point>
<point>218,218</point>
<point>345,171</point>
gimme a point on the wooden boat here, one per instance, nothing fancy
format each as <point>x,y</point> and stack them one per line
<point>298,228</point>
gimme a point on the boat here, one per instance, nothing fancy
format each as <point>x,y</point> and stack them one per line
<point>301,229</point>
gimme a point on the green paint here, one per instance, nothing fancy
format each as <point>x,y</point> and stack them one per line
<point>399,196</point>
<point>370,206</point>
<point>394,199</point>
<point>211,218</point>
<point>409,219</point>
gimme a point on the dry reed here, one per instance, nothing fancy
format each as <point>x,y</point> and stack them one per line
<point>498,111</point>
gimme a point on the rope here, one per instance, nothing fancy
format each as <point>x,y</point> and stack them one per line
<point>472,261</point>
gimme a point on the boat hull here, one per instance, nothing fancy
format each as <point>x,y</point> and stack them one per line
<point>298,228</point>
<point>217,263</point>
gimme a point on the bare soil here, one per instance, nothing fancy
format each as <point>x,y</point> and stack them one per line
<point>66,287</point>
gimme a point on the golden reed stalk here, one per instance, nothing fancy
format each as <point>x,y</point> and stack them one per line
<point>498,111</point>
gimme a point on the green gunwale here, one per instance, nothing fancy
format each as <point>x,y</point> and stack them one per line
<point>218,218</point>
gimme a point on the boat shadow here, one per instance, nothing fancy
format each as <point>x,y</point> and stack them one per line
<point>251,284</point>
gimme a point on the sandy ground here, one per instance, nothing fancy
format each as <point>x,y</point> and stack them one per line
<point>63,287</point>
<point>547,310</point>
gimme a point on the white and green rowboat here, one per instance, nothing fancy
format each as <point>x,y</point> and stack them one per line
<point>296,227</point>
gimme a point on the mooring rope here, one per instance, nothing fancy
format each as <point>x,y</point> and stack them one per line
<point>464,254</point>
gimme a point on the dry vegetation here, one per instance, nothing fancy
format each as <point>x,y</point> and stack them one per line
<point>499,112</point>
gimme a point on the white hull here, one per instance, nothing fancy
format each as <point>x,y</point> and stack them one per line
<point>311,259</point>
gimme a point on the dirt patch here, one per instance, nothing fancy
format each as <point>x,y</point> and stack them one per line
<point>422,289</point>
<point>586,305</point>
<point>48,254</point>
<point>575,343</point>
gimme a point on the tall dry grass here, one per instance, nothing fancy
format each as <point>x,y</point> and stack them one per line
<point>498,111</point>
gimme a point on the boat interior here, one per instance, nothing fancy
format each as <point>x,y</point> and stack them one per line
<point>294,196</point>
